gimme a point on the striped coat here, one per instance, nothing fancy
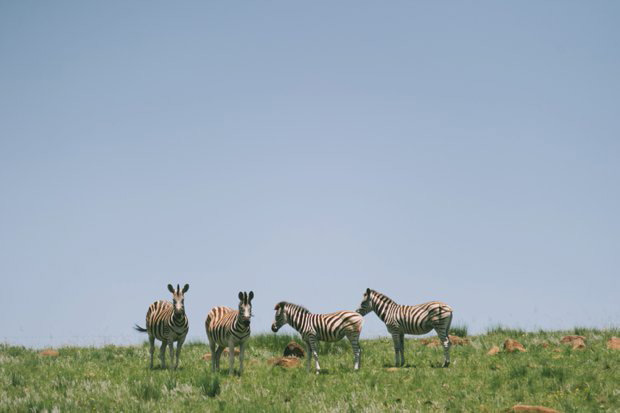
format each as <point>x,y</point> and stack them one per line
<point>226,327</point>
<point>166,321</point>
<point>409,319</point>
<point>320,327</point>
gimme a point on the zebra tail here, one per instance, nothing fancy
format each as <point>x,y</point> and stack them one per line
<point>140,329</point>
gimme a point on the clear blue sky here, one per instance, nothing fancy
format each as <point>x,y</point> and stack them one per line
<point>460,151</point>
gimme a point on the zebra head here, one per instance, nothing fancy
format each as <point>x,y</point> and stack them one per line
<point>245,307</point>
<point>281,317</point>
<point>178,298</point>
<point>366,306</point>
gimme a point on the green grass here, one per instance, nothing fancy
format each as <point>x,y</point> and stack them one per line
<point>117,378</point>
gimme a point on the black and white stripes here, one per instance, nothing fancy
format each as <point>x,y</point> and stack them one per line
<point>168,323</point>
<point>409,319</point>
<point>229,328</point>
<point>320,327</point>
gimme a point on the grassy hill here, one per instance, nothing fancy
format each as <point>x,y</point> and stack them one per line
<point>117,378</point>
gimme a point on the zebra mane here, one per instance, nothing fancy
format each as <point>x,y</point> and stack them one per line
<point>382,297</point>
<point>294,307</point>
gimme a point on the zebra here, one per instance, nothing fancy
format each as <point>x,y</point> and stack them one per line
<point>409,319</point>
<point>229,328</point>
<point>168,323</point>
<point>320,327</point>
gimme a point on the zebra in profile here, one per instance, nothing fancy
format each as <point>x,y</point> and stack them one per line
<point>229,328</point>
<point>320,327</point>
<point>409,319</point>
<point>168,323</point>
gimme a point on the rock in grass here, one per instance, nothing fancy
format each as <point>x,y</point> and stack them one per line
<point>286,362</point>
<point>455,340</point>
<point>207,356</point>
<point>49,353</point>
<point>511,346</point>
<point>577,342</point>
<point>295,350</point>
<point>570,339</point>
<point>613,343</point>
<point>533,409</point>
<point>494,350</point>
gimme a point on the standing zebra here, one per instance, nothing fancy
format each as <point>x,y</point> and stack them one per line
<point>320,327</point>
<point>168,323</point>
<point>409,319</point>
<point>229,328</point>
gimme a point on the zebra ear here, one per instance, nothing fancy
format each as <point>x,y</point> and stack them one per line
<point>185,288</point>
<point>178,288</point>
<point>171,288</point>
<point>251,296</point>
<point>240,296</point>
<point>277,307</point>
<point>368,291</point>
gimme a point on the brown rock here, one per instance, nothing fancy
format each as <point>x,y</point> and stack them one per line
<point>459,341</point>
<point>49,353</point>
<point>455,340</point>
<point>511,346</point>
<point>577,342</point>
<point>207,356</point>
<point>494,350</point>
<point>570,339</point>
<point>295,350</point>
<point>533,409</point>
<point>286,362</point>
<point>613,343</point>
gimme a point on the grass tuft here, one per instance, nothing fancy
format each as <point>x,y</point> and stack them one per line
<point>459,330</point>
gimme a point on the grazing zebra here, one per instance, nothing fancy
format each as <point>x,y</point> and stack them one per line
<point>168,323</point>
<point>320,327</point>
<point>409,319</point>
<point>229,328</point>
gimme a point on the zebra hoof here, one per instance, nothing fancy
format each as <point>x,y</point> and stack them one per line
<point>446,364</point>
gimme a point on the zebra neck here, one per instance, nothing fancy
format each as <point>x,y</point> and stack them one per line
<point>178,319</point>
<point>296,319</point>
<point>382,305</point>
<point>238,325</point>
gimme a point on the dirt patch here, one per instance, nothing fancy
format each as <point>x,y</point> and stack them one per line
<point>532,409</point>
<point>511,346</point>
<point>295,350</point>
<point>49,353</point>
<point>613,343</point>
<point>392,369</point>
<point>493,350</point>
<point>286,362</point>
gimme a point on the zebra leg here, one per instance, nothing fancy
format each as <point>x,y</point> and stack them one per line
<point>396,340</point>
<point>151,348</point>
<point>354,338</point>
<point>442,332</point>
<point>162,354</point>
<point>213,354</point>
<point>171,347</point>
<point>241,351</point>
<point>308,355</point>
<point>179,345</point>
<point>231,357</point>
<point>402,349</point>
<point>313,346</point>
<point>218,354</point>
